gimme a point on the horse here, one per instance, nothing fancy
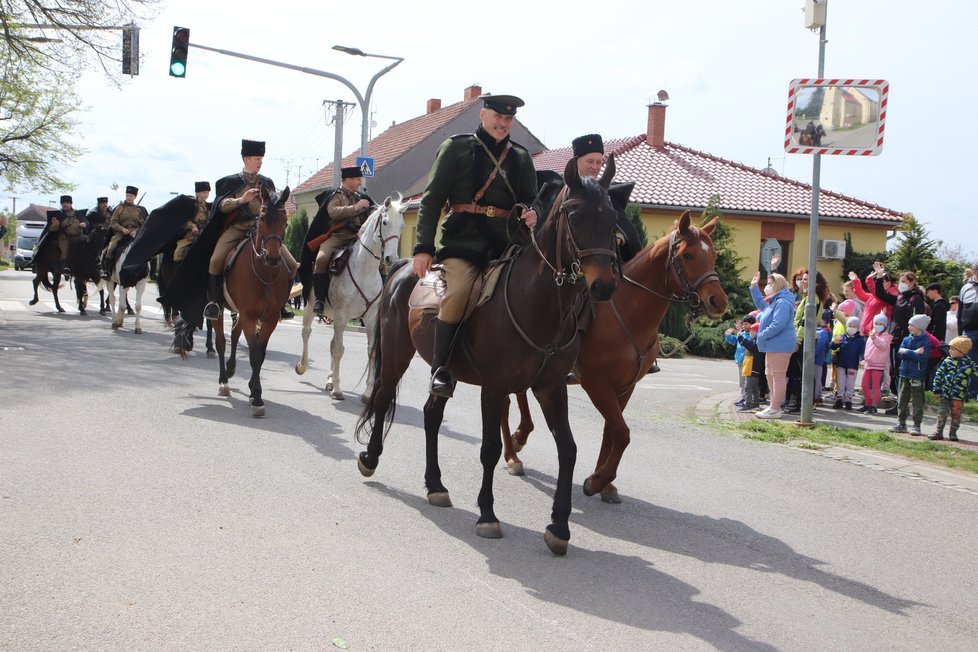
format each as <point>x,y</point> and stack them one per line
<point>525,336</point>
<point>83,263</point>
<point>354,292</point>
<point>171,314</point>
<point>137,278</point>
<point>622,340</point>
<point>47,269</point>
<point>256,286</point>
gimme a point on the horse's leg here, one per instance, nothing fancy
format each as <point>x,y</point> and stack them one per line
<point>492,447</point>
<point>120,312</point>
<point>303,364</point>
<point>36,282</point>
<point>553,401</point>
<point>140,288</point>
<point>54,291</point>
<point>614,440</point>
<point>235,335</point>
<point>211,353</point>
<point>103,303</point>
<point>513,463</point>
<point>336,354</point>
<point>370,325</point>
<point>434,414</point>
<point>257,343</point>
<point>523,431</point>
<point>80,294</point>
<point>221,341</point>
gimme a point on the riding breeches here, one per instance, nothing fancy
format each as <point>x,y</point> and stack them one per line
<point>182,245</point>
<point>110,249</point>
<point>460,274</point>
<point>330,246</point>
<point>230,239</point>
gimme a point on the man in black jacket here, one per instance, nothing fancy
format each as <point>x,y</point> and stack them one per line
<point>938,325</point>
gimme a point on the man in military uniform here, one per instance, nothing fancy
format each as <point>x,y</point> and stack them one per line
<point>239,202</point>
<point>100,215</point>
<point>481,176</point>
<point>345,210</point>
<point>125,220</point>
<point>197,221</point>
<point>69,226</point>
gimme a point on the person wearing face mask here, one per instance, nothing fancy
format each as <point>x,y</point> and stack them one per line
<point>849,350</point>
<point>775,337</point>
<point>796,364</point>
<point>913,352</point>
<point>952,320</point>
<point>876,359</point>
<point>908,301</point>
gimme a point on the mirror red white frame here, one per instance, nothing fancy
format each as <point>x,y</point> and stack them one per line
<point>870,145</point>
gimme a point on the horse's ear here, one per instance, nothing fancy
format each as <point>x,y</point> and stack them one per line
<point>709,226</point>
<point>682,227</point>
<point>285,195</point>
<point>609,173</point>
<point>571,176</point>
<point>387,202</point>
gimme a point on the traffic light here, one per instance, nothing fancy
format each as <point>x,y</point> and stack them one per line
<point>130,50</point>
<point>178,52</point>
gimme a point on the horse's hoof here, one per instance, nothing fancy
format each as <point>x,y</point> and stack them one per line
<point>300,368</point>
<point>515,468</point>
<point>329,386</point>
<point>82,312</point>
<point>557,545</point>
<point>489,530</point>
<point>588,491</point>
<point>365,470</point>
<point>364,398</point>
<point>223,390</point>
<point>211,355</point>
<point>439,499</point>
<point>517,446</point>
<point>338,396</point>
<point>32,302</point>
<point>115,326</point>
<point>60,309</point>
<point>257,410</point>
<point>138,331</point>
<point>610,495</point>
<point>101,312</point>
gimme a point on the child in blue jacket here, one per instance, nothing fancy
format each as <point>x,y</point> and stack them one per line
<point>823,340</point>
<point>849,351</point>
<point>732,336</point>
<point>913,354</point>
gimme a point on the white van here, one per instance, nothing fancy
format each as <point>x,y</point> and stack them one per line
<point>27,235</point>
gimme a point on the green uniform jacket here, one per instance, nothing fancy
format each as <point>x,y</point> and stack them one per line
<point>461,168</point>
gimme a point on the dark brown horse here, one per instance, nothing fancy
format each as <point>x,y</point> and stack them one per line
<point>256,286</point>
<point>83,263</point>
<point>622,341</point>
<point>525,337</point>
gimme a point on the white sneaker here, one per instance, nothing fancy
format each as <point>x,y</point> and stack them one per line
<point>769,414</point>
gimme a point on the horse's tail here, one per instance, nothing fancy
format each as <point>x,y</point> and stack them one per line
<point>365,422</point>
<point>183,332</point>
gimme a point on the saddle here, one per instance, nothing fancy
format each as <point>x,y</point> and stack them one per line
<point>429,292</point>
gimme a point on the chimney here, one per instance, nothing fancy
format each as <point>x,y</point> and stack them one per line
<point>433,105</point>
<point>655,135</point>
<point>472,92</point>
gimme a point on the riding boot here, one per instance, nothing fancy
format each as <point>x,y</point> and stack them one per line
<point>320,286</point>
<point>442,383</point>
<point>106,266</point>
<point>215,292</point>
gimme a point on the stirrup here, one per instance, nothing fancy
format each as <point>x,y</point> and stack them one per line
<point>319,307</point>
<point>212,310</point>
<point>442,384</point>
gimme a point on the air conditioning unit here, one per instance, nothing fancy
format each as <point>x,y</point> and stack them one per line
<point>832,249</point>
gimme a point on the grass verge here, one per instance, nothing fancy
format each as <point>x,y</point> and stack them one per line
<point>827,435</point>
<point>969,409</point>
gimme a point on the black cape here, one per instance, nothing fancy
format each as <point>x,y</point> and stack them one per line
<point>319,225</point>
<point>187,291</point>
<point>46,238</point>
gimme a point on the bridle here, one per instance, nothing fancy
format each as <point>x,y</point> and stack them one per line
<point>572,271</point>
<point>258,241</point>
<point>379,235</point>
<point>689,290</point>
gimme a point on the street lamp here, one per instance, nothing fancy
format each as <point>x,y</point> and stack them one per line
<point>364,100</point>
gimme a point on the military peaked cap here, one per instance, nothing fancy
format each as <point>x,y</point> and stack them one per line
<point>502,104</point>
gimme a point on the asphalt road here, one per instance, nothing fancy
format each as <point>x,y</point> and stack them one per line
<point>139,510</point>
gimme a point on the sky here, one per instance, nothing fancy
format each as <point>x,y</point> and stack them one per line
<point>581,67</point>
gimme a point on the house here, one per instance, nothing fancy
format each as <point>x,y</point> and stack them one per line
<point>769,213</point>
<point>403,154</point>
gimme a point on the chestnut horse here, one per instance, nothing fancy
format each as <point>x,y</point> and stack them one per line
<point>621,343</point>
<point>525,336</point>
<point>256,286</point>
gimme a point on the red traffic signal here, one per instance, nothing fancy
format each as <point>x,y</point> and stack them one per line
<point>178,51</point>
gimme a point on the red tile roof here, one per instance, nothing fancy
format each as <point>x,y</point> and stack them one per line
<point>678,177</point>
<point>394,142</point>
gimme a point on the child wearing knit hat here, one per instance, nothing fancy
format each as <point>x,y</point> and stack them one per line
<point>849,352</point>
<point>876,358</point>
<point>913,354</point>
<point>951,385</point>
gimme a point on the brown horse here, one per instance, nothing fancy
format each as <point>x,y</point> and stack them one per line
<point>622,341</point>
<point>256,286</point>
<point>526,336</point>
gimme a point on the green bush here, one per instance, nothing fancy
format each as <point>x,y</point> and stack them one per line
<point>669,344</point>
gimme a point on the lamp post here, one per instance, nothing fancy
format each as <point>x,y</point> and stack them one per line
<point>364,100</point>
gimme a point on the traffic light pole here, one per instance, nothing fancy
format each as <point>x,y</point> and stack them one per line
<point>362,100</point>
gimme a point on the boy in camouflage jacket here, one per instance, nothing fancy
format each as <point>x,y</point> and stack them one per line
<point>951,385</point>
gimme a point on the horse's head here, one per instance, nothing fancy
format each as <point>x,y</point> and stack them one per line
<point>691,267</point>
<point>584,223</point>
<point>270,228</point>
<point>388,228</point>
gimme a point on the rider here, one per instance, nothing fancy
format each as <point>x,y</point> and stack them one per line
<point>69,226</point>
<point>99,216</point>
<point>239,202</point>
<point>346,214</point>
<point>126,219</point>
<point>196,223</point>
<point>482,176</point>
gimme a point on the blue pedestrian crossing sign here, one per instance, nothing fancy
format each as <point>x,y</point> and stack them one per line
<point>366,165</point>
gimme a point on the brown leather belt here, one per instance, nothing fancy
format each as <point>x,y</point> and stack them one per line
<point>488,211</point>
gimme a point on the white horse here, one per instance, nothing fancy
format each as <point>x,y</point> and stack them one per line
<point>354,292</point>
<point>138,281</point>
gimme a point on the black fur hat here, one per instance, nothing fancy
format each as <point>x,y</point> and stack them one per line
<point>66,199</point>
<point>587,144</point>
<point>132,190</point>
<point>102,200</point>
<point>201,186</point>
<point>252,147</point>
<point>351,172</point>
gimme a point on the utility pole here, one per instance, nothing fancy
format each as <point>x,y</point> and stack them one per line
<point>339,109</point>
